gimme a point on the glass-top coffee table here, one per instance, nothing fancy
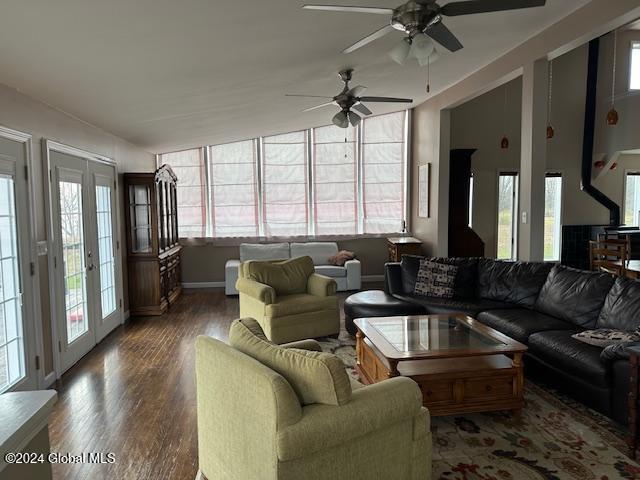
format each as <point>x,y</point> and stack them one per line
<point>461,365</point>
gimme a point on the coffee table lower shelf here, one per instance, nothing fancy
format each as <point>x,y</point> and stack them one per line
<point>452,386</point>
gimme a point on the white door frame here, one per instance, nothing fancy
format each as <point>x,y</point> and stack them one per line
<point>30,280</point>
<point>49,146</point>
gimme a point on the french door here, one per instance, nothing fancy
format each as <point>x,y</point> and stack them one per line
<point>84,225</point>
<point>17,327</point>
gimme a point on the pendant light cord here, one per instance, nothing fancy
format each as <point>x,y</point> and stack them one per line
<point>615,62</point>
<point>550,86</point>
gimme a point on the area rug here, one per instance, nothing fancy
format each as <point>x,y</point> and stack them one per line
<point>554,438</point>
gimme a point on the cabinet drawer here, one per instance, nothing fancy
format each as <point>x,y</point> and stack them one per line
<point>489,387</point>
<point>435,392</point>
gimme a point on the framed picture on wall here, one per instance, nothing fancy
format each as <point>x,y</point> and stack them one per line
<point>424,179</point>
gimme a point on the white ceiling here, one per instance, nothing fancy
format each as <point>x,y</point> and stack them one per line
<point>168,74</point>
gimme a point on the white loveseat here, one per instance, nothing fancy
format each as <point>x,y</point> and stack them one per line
<point>347,277</point>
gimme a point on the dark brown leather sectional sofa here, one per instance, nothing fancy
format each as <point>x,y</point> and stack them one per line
<point>542,305</point>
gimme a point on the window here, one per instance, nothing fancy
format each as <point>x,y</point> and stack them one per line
<point>286,209</point>
<point>634,69</point>
<point>335,175</point>
<point>552,216</point>
<point>632,199</point>
<point>12,367</point>
<point>189,167</point>
<point>321,181</point>
<point>383,172</point>
<point>471,201</point>
<point>507,215</point>
<point>234,195</point>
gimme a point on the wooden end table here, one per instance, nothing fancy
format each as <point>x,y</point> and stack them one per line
<point>461,365</point>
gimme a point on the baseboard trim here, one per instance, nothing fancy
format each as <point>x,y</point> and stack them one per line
<point>49,379</point>
<point>203,285</point>
<point>365,279</point>
<point>372,278</point>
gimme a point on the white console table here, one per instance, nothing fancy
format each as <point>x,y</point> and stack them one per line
<point>24,427</point>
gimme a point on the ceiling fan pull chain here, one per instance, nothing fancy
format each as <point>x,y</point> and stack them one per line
<point>429,74</point>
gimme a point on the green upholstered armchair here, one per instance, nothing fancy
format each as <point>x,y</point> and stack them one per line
<point>288,299</point>
<point>253,425</point>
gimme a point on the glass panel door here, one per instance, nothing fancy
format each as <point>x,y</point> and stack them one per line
<point>85,252</point>
<point>12,361</point>
<point>73,257</point>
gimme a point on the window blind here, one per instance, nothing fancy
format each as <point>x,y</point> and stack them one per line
<point>383,158</point>
<point>189,167</point>
<point>234,195</point>
<point>335,174</point>
<point>285,181</point>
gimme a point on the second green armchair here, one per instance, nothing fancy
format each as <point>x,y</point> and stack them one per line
<point>288,299</point>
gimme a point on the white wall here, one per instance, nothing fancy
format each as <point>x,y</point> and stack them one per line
<point>430,119</point>
<point>25,114</point>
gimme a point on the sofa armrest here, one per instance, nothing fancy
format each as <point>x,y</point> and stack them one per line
<point>354,274</point>
<point>321,286</point>
<point>310,344</point>
<point>619,351</point>
<point>393,278</point>
<point>371,408</point>
<point>259,291</point>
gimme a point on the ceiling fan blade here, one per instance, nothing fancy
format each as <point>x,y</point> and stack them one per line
<point>369,38</point>
<point>362,109</point>
<point>354,119</point>
<point>341,8</point>
<point>340,119</point>
<point>484,6</point>
<point>441,34</point>
<point>386,99</point>
<point>356,91</point>
<point>308,96</point>
<point>319,106</point>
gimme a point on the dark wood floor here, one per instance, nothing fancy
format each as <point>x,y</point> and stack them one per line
<point>134,394</point>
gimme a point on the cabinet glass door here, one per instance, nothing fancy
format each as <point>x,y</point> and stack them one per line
<point>140,214</point>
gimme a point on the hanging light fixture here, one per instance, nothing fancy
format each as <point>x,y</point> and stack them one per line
<point>612,115</point>
<point>420,47</point>
<point>550,131</point>
<point>504,143</point>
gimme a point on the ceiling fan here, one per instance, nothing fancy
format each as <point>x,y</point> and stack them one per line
<point>350,99</point>
<point>421,20</point>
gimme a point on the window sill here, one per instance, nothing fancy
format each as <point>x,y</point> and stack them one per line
<point>236,241</point>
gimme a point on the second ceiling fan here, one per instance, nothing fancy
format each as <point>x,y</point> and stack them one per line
<point>421,19</point>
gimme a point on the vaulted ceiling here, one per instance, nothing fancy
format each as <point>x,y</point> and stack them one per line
<point>168,75</point>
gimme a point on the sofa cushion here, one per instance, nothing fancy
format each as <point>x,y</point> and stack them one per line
<point>514,282</point>
<point>316,377</point>
<point>300,303</point>
<point>331,270</point>
<point>574,295</point>
<point>621,310</point>
<point>264,251</point>
<point>285,277</point>
<point>466,277</point>
<point>434,305</point>
<point>435,279</point>
<point>520,323</point>
<point>318,251</point>
<point>558,349</point>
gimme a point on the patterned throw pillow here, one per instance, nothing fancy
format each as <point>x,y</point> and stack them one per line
<point>603,337</point>
<point>435,279</point>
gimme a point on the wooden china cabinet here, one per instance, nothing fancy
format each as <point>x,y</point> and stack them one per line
<point>152,241</point>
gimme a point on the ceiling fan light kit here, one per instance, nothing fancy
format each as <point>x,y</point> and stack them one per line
<point>424,18</point>
<point>350,99</point>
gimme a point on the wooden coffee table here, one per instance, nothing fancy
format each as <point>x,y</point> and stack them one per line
<point>461,365</point>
